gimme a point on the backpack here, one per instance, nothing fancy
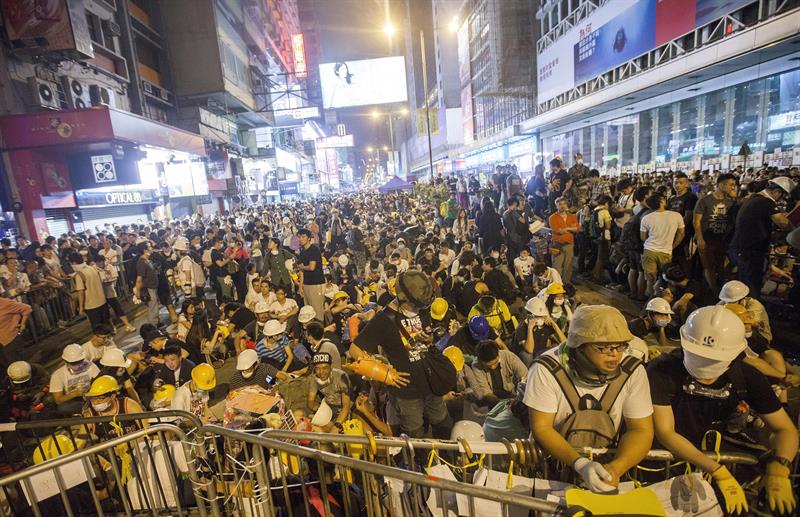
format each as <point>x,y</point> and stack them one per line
<point>207,257</point>
<point>589,425</point>
<point>594,228</point>
<point>630,236</point>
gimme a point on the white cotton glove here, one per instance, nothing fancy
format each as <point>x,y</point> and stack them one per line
<point>593,475</point>
<point>227,280</point>
<point>136,301</point>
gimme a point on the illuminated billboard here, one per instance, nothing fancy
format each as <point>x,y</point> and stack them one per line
<point>363,83</point>
<point>299,55</point>
<point>617,32</point>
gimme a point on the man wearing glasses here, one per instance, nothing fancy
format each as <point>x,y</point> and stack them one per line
<point>578,393</point>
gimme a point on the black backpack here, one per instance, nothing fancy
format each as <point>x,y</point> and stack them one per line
<point>589,425</point>
<point>630,237</point>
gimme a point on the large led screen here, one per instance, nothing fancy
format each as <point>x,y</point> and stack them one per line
<point>363,83</point>
<point>186,179</point>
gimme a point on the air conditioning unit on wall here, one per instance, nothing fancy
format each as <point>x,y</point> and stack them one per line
<point>44,93</point>
<point>76,93</point>
<point>101,96</point>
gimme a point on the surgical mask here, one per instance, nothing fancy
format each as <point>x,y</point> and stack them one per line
<point>661,322</point>
<point>702,368</point>
<point>101,406</point>
<point>495,254</point>
<point>248,373</point>
<point>409,313</point>
<point>558,301</point>
<point>274,252</point>
<point>77,368</point>
<point>748,334</point>
<point>321,382</point>
<point>579,162</point>
<point>401,246</point>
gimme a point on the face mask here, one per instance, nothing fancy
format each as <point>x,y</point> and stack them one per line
<point>495,255</point>
<point>409,313</point>
<point>558,301</point>
<point>102,406</point>
<point>702,368</point>
<point>81,367</point>
<point>202,395</point>
<point>320,382</point>
<point>661,322</point>
<point>539,322</point>
<point>248,373</point>
<point>401,246</point>
<point>748,334</point>
<point>274,252</point>
<point>579,162</point>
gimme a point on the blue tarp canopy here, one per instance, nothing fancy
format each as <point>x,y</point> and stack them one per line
<point>396,183</point>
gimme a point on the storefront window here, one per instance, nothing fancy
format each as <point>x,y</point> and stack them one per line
<point>783,122</point>
<point>746,101</point>
<point>628,136</point>
<point>645,136</point>
<point>598,152</point>
<point>714,130</point>
<point>586,144</point>
<point>666,138</point>
<point>611,158</point>
<point>687,133</point>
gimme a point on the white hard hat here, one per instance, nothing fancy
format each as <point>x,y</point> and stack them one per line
<point>659,305</point>
<point>181,244</point>
<point>73,353</point>
<point>537,307</point>
<point>733,291</point>
<point>261,307</point>
<point>714,332</point>
<point>343,260</point>
<point>323,415</point>
<point>274,327</point>
<point>306,314</point>
<point>246,359</point>
<point>114,357</point>
<point>469,430</point>
<point>783,183</point>
<point>19,372</point>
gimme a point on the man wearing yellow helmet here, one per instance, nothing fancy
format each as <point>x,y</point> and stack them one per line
<point>103,399</point>
<point>195,394</point>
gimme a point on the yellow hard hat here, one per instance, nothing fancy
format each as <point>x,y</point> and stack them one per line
<point>165,392</point>
<point>741,311</point>
<point>204,377</point>
<point>339,295</point>
<point>555,288</point>
<point>439,308</point>
<point>103,385</point>
<point>54,446</point>
<point>456,357</point>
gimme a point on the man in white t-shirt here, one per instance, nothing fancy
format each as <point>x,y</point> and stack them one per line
<point>102,339</point>
<point>283,308</point>
<point>592,360</point>
<point>661,231</point>
<point>72,380</point>
<point>523,266</point>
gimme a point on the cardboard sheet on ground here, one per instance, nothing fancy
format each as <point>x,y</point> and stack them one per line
<point>45,485</point>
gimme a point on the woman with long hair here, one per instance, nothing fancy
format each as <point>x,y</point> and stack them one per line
<point>203,345</point>
<point>490,227</point>
<point>461,227</point>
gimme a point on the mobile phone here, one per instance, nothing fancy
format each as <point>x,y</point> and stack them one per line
<point>269,379</point>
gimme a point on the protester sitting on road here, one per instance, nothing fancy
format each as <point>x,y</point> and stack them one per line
<point>193,396</point>
<point>655,319</point>
<point>592,364</point>
<point>72,380</point>
<point>329,385</point>
<point>703,386</point>
<point>495,373</point>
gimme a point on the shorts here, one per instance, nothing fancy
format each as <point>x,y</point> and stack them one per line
<point>654,261</point>
<point>635,260</point>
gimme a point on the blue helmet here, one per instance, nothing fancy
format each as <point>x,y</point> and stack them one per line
<point>479,328</point>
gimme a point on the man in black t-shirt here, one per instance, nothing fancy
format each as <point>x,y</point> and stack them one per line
<point>399,330</point>
<point>683,202</point>
<point>713,226</point>
<point>146,284</point>
<point>312,280</point>
<point>753,234</point>
<point>703,388</point>
<point>218,270</point>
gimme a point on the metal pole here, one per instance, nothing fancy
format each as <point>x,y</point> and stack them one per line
<point>425,87</point>
<point>391,145</point>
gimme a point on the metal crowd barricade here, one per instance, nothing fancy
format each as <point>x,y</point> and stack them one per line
<point>118,476</point>
<point>51,309</point>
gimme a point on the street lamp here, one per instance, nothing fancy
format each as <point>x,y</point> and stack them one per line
<point>389,29</point>
<point>369,148</point>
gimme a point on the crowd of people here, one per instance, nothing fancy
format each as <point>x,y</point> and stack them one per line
<point>453,312</point>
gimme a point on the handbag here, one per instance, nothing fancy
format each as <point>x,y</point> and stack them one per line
<point>232,267</point>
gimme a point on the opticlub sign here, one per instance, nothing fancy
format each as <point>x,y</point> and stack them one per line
<point>122,197</point>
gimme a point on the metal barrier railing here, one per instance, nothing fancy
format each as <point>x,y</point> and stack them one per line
<point>264,472</point>
<point>131,473</point>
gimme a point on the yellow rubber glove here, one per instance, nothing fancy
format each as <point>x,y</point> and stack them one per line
<point>735,502</point>
<point>778,489</point>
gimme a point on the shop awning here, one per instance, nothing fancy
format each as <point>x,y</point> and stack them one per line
<point>92,125</point>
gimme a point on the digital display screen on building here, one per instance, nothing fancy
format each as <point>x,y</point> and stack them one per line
<point>363,83</point>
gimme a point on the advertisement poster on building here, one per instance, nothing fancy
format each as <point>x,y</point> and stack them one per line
<point>624,37</point>
<point>365,82</point>
<point>466,114</point>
